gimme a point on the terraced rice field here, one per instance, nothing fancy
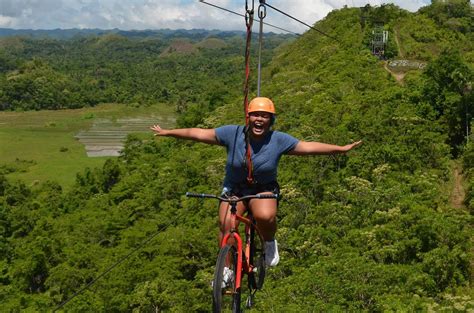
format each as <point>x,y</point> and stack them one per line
<point>106,137</point>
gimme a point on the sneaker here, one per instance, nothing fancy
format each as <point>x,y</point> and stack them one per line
<point>271,253</point>
<point>227,278</point>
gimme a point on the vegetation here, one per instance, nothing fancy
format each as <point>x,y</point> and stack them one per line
<point>370,231</point>
<point>117,69</point>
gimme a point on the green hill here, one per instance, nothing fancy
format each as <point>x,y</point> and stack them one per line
<point>370,231</point>
<point>46,73</point>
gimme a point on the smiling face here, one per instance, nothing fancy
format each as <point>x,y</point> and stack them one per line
<point>259,123</point>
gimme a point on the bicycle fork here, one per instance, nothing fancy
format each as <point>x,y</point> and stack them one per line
<point>238,242</point>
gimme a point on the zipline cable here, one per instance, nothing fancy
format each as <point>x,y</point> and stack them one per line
<point>294,18</point>
<point>262,12</point>
<point>242,15</point>
<point>77,293</point>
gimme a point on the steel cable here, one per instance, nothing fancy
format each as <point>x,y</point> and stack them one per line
<point>294,18</point>
<point>242,15</point>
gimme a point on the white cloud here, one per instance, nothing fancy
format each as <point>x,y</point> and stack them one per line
<point>155,14</point>
<point>6,21</point>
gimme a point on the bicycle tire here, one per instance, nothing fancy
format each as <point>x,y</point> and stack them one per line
<point>225,299</point>
<point>257,259</point>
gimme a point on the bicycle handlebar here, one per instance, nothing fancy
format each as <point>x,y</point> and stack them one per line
<point>205,195</point>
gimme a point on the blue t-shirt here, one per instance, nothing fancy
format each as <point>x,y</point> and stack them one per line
<point>265,154</point>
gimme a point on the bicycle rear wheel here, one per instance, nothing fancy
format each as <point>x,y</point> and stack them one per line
<point>257,259</point>
<point>225,297</point>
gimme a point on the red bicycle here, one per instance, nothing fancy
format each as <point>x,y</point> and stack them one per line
<point>235,260</point>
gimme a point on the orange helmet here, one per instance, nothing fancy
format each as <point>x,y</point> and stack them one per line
<point>261,104</point>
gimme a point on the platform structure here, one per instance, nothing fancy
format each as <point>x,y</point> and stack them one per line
<point>379,40</point>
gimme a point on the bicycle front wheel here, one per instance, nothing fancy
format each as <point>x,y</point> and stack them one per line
<point>225,296</point>
<point>257,260</point>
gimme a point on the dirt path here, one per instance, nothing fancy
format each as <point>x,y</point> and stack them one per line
<point>398,76</point>
<point>397,41</point>
<point>457,194</point>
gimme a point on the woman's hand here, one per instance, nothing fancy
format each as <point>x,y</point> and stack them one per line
<point>158,130</point>
<point>352,145</point>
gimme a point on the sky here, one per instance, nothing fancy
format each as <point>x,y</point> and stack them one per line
<point>172,14</point>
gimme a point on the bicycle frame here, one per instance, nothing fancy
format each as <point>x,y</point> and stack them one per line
<point>246,267</point>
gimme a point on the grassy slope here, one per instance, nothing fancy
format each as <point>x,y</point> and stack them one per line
<point>32,141</point>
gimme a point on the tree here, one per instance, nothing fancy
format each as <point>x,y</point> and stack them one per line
<point>448,90</point>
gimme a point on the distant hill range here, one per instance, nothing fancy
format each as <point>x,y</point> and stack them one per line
<point>75,32</point>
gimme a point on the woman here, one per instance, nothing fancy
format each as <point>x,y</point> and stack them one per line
<point>267,146</point>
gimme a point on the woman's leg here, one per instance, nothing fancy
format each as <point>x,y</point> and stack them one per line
<point>264,211</point>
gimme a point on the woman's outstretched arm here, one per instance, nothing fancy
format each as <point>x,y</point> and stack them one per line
<point>313,147</point>
<point>197,134</point>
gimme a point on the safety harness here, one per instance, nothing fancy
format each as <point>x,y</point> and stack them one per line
<point>249,13</point>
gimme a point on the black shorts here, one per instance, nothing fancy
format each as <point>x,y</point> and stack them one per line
<point>241,190</point>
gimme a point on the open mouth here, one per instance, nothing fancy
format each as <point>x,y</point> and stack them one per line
<point>258,128</point>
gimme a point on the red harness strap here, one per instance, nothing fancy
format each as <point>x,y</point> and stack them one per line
<point>248,22</point>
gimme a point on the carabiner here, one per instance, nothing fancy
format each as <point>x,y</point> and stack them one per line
<point>249,13</point>
<point>262,11</point>
<point>247,5</point>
